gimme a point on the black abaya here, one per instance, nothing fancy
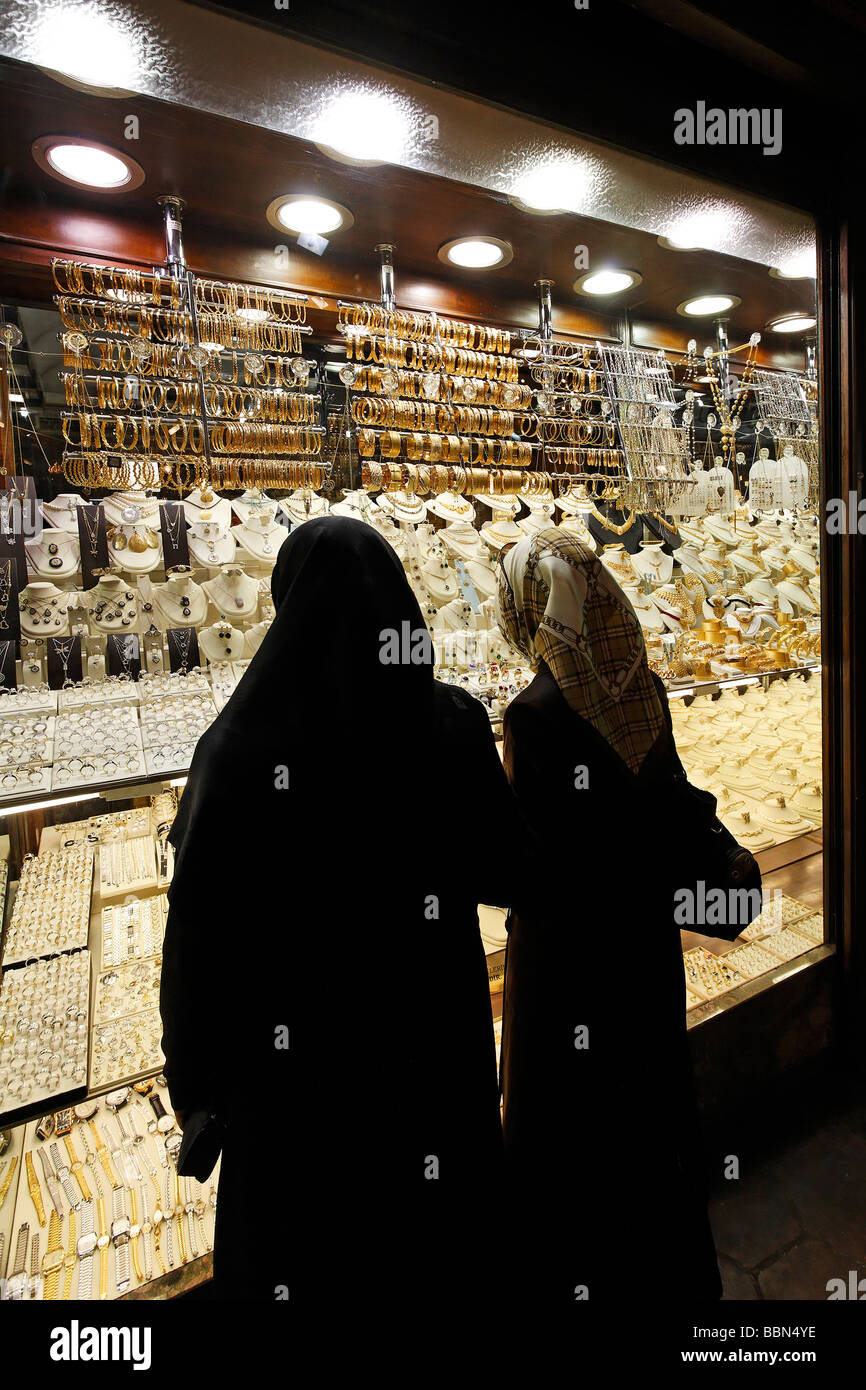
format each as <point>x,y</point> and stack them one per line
<point>601,1130</point>
<point>363,1160</point>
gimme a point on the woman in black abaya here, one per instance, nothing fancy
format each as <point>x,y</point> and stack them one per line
<point>605,1196</point>
<point>344,815</point>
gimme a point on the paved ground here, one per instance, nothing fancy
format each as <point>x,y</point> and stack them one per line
<point>797,1215</point>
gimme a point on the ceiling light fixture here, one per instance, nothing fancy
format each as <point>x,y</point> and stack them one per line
<point>604,282</point>
<point>803,265</point>
<point>792,323</point>
<point>364,127</point>
<point>476,252</point>
<point>707,304</point>
<point>308,214</point>
<point>83,47</point>
<point>86,163</point>
<point>552,188</point>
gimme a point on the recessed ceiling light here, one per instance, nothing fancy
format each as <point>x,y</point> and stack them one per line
<point>792,323</point>
<point>801,266</point>
<point>611,281</point>
<point>78,43</point>
<point>476,252</point>
<point>308,213</point>
<point>706,304</point>
<point>364,127</point>
<point>698,231</point>
<point>86,163</point>
<point>559,186</point>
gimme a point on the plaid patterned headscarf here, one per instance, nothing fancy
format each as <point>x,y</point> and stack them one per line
<point>558,603</point>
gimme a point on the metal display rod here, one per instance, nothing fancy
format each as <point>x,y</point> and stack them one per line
<point>545,308</point>
<point>386,275</point>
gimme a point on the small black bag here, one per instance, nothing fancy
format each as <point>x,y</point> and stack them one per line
<point>203,1139</point>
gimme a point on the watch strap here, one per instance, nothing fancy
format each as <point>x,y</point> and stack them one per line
<point>34,1189</point>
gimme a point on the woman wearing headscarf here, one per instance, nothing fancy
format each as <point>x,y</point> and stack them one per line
<point>603,1159</point>
<point>324,988</point>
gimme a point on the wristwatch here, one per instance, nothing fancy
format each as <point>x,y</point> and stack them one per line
<point>115,1099</point>
<point>8,1170</point>
<point>103,1237</point>
<point>77,1168</point>
<point>36,1282</point>
<point>62,1122</point>
<point>134,1233</point>
<point>64,1177</point>
<point>120,1238</point>
<point>35,1189</point>
<point>189,1208</point>
<point>168,1216</point>
<point>178,1218</point>
<point>45,1127</point>
<point>102,1154</point>
<point>164,1121</point>
<point>51,1184</point>
<point>17,1281</point>
<point>52,1260</point>
<point>86,1245</point>
<point>146,1231</point>
<point>69,1261</point>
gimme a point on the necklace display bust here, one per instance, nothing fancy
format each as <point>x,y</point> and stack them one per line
<point>203,504</point>
<point>44,609</point>
<point>129,506</point>
<point>179,602</point>
<point>234,595</point>
<point>250,501</point>
<point>62,512</point>
<point>135,547</point>
<point>112,605</point>
<point>302,505</point>
<point>55,554</point>
<point>261,536</point>
<point>222,642</point>
<point>211,544</point>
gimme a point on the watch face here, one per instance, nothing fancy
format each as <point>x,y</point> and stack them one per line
<point>45,1127</point>
<point>63,1122</point>
<point>115,1099</point>
<point>172,1145</point>
<point>86,1110</point>
<point>51,1261</point>
<point>165,1123</point>
<point>120,1227</point>
<point>86,1246</point>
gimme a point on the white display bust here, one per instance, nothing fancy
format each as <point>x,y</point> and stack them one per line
<point>234,595</point>
<point>44,609</point>
<point>261,535</point>
<point>222,642</point>
<point>56,554</point>
<point>211,544</point>
<point>203,504</point>
<point>179,602</point>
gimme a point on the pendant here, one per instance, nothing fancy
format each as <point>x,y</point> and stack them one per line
<point>119,541</point>
<point>239,603</point>
<point>52,549</point>
<point>56,563</point>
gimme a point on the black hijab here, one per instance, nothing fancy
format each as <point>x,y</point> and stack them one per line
<point>346,663</point>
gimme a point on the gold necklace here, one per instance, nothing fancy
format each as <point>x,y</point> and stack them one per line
<point>609,526</point>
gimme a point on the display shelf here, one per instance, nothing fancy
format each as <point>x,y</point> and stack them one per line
<point>714,687</point>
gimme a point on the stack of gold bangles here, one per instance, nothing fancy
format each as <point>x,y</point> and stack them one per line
<point>422,327</point>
